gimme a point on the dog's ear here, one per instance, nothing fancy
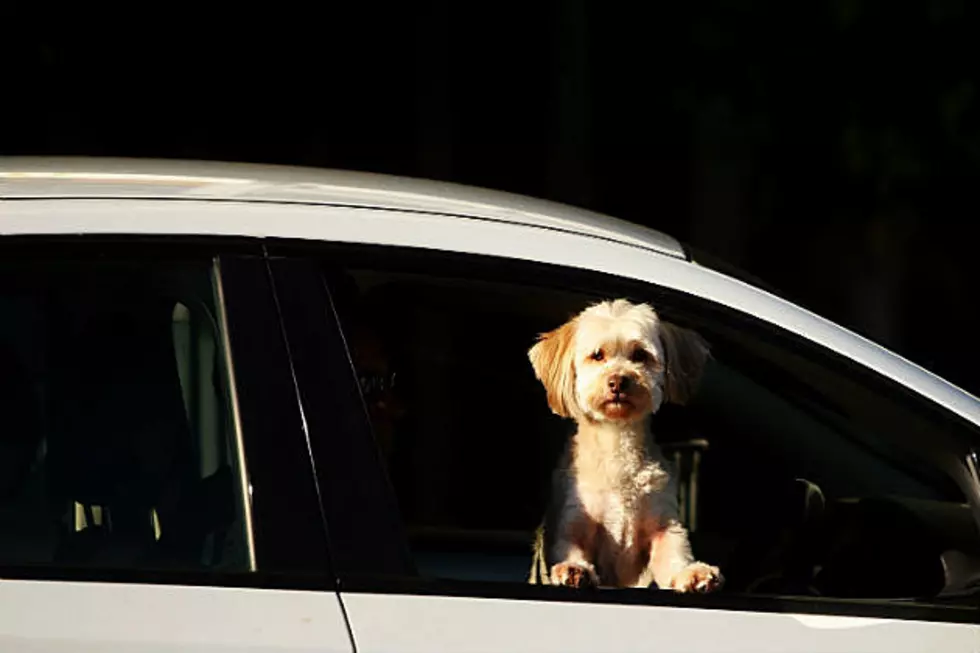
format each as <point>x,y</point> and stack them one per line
<point>687,354</point>
<point>551,358</point>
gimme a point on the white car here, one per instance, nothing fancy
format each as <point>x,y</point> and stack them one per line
<point>270,409</point>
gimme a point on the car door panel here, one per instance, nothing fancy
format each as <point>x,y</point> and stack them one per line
<point>54,617</point>
<point>396,611</point>
<point>282,595</point>
<point>387,623</point>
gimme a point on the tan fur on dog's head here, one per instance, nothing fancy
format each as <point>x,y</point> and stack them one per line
<point>686,353</point>
<point>617,362</point>
<point>550,358</point>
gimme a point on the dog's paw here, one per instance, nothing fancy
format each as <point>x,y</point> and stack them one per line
<point>573,574</point>
<point>697,577</point>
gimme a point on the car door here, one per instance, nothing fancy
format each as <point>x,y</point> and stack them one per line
<point>158,492</point>
<point>399,596</point>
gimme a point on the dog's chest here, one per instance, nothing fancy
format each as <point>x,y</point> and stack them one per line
<point>619,496</point>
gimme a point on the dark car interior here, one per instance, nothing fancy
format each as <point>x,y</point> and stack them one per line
<point>115,448</point>
<point>805,481</point>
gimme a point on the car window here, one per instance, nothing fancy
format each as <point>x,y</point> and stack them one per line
<point>796,475</point>
<point>118,449</point>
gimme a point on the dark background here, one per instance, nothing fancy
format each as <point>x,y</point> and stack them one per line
<point>829,148</point>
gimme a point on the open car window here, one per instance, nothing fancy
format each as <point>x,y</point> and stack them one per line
<point>796,477</point>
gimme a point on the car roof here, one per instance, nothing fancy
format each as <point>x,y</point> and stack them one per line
<point>242,199</point>
<point>49,178</point>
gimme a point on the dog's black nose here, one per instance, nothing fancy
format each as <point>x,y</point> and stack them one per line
<point>619,383</point>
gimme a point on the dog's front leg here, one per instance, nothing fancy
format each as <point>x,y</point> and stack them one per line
<point>673,567</point>
<point>575,548</point>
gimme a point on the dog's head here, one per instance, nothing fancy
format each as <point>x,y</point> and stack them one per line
<point>617,362</point>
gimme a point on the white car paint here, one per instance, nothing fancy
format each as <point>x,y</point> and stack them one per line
<point>70,199</point>
<point>475,236</point>
<point>121,178</point>
<point>417,624</point>
<point>56,617</point>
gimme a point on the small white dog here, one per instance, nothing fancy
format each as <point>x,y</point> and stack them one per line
<point>613,518</point>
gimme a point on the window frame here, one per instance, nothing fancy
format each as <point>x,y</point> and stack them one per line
<point>353,564</point>
<point>289,552</point>
<point>348,467</point>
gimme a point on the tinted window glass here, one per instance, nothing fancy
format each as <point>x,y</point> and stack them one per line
<point>117,447</point>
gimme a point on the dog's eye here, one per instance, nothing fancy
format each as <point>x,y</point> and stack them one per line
<point>597,355</point>
<point>639,356</point>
